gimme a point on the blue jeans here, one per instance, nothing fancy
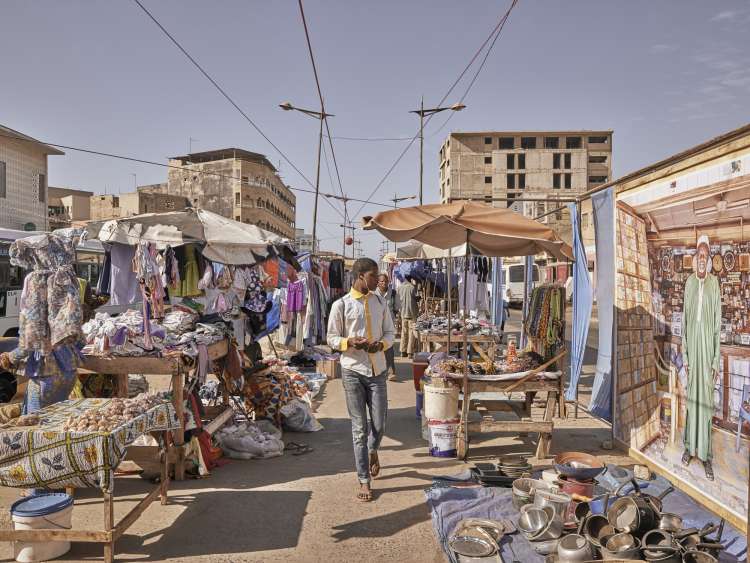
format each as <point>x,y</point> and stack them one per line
<point>363,394</point>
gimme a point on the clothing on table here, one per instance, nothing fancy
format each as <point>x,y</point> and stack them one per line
<point>123,286</point>
<point>365,394</point>
<point>701,340</point>
<point>407,295</point>
<point>363,315</point>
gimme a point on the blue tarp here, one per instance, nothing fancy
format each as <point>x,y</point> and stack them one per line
<point>604,225</point>
<point>582,303</point>
<point>449,505</point>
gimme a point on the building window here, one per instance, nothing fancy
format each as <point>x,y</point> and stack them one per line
<point>540,209</point>
<point>556,181</point>
<point>567,160</point>
<point>237,198</point>
<point>511,197</point>
<point>511,182</point>
<point>568,178</point>
<point>528,142</point>
<point>42,187</point>
<point>488,179</point>
<point>598,140</point>
<point>511,161</point>
<point>3,188</point>
<point>552,142</point>
<point>236,217</point>
<point>597,179</point>
<point>488,160</point>
<point>506,143</point>
<point>522,181</point>
<point>573,142</point>
<point>521,161</point>
<point>245,180</point>
<point>584,220</point>
<point>488,140</point>
<point>556,160</point>
<point>597,159</point>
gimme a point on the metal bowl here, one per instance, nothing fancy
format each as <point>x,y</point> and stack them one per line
<point>596,527</point>
<point>578,465</point>
<point>573,548</point>
<point>532,520</point>
<point>621,546</point>
<point>551,531</point>
<point>472,546</point>
<point>695,556</point>
<point>559,502</point>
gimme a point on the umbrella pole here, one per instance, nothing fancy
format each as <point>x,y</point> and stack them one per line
<point>450,318</point>
<point>465,405</point>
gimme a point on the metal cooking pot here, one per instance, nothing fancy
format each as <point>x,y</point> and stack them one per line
<point>695,556</point>
<point>632,514</point>
<point>596,527</point>
<point>559,502</point>
<point>621,546</point>
<point>670,522</point>
<point>574,486</point>
<point>659,545</point>
<point>552,530</point>
<point>573,548</point>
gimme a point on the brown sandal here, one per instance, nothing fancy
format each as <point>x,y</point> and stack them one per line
<point>374,465</point>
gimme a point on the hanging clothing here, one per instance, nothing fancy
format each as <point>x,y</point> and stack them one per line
<point>102,284</point>
<point>123,286</point>
<point>336,274</point>
<point>189,272</point>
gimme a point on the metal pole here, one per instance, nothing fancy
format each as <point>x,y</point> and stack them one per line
<point>421,147</point>
<point>450,304</point>
<point>395,206</point>
<point>465,405</point>
<point>317,186</point>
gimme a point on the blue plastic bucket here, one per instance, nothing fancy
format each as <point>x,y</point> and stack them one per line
<point>41,505</point>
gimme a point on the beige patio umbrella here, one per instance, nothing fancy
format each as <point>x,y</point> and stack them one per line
<point>485,230</point>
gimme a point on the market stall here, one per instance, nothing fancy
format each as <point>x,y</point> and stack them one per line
<point>79,444</point>
<point>485,231</point>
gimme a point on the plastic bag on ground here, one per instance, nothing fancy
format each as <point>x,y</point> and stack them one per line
<point>248,441</point>
<point>298,417</point>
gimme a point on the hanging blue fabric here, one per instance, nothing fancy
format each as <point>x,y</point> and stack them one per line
<point>582,303</point>
<point>498,292</point>
<point>604,220</point>
<point>528,281</point>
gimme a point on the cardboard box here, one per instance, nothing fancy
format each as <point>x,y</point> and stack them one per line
<point>331,368</point>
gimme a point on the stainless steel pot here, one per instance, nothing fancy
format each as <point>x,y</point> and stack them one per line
<point>573,548</point>
<point>670,522</point>
<point>621,546</point>
<point>559,502</point>
<point>632,514</point>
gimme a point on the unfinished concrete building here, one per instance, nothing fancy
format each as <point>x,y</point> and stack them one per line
<point>499,167</point>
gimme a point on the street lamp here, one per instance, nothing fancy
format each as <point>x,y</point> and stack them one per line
<point>422,112</point>
<point>320,116</point>
<point>396,200</point>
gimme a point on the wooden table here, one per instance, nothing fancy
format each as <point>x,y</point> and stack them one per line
<point>120,367</point>
<point>530,385</point>
<point>484,345</point>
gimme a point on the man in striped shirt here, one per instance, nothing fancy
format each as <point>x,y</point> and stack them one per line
<point>361,328</point>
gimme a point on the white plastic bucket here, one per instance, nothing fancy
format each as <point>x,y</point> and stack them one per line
<point>425,428</point>
<point>50,512</point>
<point>440,403</point>
<point>443,436</point>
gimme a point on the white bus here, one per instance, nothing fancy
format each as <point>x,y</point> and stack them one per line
<point>513,280</point>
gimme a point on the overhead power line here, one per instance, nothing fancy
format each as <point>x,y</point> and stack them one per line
<point>373,139</point>
<point>492,34</point>
<point>324,116</point>
<point>226,96</point>
<point>175,167</point>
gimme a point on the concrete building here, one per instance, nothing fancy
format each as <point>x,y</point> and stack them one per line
<point>67,207</point>
<point>303,241</point>
<point>23,180</point>
<point>235,183</point>
<point>104,207</point>
<point>493,166</point>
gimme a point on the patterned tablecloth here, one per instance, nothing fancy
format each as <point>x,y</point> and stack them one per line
<point>46,456</point>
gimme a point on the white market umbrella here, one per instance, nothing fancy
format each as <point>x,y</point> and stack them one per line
<point>226,241</point>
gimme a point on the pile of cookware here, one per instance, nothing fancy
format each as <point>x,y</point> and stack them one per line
<point>573,519</point>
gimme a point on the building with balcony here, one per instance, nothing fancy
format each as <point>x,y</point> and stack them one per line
<point>235,183</point>
<point>67,207</point>
<point>499,167</point>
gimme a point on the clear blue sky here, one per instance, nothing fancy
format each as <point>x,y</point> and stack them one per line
<point>665,75</point>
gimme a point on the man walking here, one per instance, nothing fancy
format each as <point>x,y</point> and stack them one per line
<point>407,295</point>
<point>701,328</point>
<point>361,328</point>
<point>389,296</point>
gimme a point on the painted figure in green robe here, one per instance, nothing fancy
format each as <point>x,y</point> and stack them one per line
<point>701,327</point>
